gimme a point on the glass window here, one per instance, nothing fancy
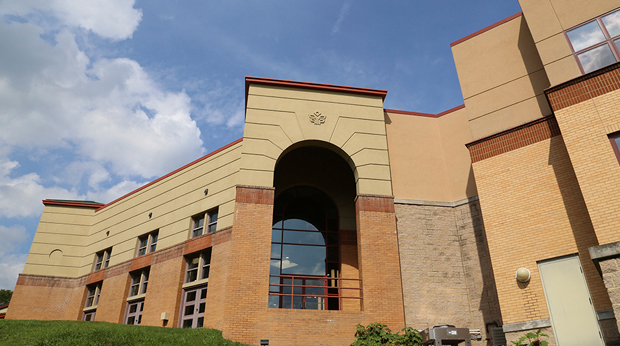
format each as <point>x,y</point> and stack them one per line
<point>139,281</point>
<point>204,223</point>
<point>147,243</point>
<point>92,298</point>
<point>614,138</point>
<point>134,312</point>
<point>102,259</point>
<point>596,44</point>
<point>198,266</point>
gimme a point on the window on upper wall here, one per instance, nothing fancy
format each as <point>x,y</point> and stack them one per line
<point>614,138</point>
<point>92,299</point>
<point>596,43</point>
<point>198,267</point>
<point>102,259</point>
<point>147,243</point>
<point>204,223</point>
<point>139,281</point>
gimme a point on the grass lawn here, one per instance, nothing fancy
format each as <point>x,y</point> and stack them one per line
<point>77,333</point>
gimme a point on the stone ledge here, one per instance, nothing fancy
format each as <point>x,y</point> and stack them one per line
<point>526,325</point>
<point>605,314</point>
<point>605,251</point>
<point>435,203</point>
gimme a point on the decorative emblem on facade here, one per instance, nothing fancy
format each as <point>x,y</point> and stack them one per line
<point>316,118</point>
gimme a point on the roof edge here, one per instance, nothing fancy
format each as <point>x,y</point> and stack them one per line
<point>315,86</point>
<point>516,15</point>
<point>396,111</point>
<point>85,204</point>
<point>171,173</point>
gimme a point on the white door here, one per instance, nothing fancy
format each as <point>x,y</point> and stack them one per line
<point>572,313</point>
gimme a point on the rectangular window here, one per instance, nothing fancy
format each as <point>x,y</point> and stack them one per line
<point>596,44</point>
<point>198,267</point>
<point>139,281</point>
<point>147,243</point>
<point>204,223</point>
<point>102,259</point>
<point>92,299</point>
<point>614,139</point>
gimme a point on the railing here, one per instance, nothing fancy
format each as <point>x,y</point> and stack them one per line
<point>311,292</point>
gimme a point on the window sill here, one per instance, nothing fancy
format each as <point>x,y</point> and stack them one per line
<point>136,297</point>
<point>196,283</point>
<point>90,308</point>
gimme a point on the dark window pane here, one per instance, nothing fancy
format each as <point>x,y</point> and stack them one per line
<point>286,302</point>
<point>311,238</point>
<point>612,23</point>
<point>189,310</point>
<point>203,293</point>
<point>332,238</point>
<point>299,224</point>
<point>297,303</point>
<point>596,58</point>
<point>187,323</point>
<point>192,275</point>
<point>274,302</point>
<point>196,233</point>
<point>139,319</point>
<point>315,290</point>
<point>134,291</point>
<point>200,322</point>
<point>586,36</point>
<point>617,42</point>
<point>332,254</point>
<point>332,225</point>
<point>130,320</point>
<point>276,235</point>
<point>201,308</point>
<point>213,217</point>
<point>191,296</point>
<point>87,317</point>
<point>276,251</point>
<point>141,306</point>
<point>303,260</point>
<point>205,272</point>
<point>133,308</point>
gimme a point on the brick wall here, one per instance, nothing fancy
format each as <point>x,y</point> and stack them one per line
<point>164,292</point>
<point>533,210</point>
<point>446,269</point>
<point>587,110</point>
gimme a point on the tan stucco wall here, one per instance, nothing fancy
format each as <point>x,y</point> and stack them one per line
<point>502,78</point>
<point>428,157</point>
<point>58,245</point>
<point>81,232</point>
<point>278,117</point>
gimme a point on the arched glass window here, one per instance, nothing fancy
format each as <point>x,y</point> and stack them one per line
<point>305,251</point>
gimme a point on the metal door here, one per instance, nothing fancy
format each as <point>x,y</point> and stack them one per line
<point>193,308</point>
<point>573,317</point>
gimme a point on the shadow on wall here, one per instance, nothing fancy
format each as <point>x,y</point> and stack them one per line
<point>489,302</point>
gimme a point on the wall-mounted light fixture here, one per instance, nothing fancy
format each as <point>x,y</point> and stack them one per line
<point>523,274</point>
<point>150,215</point>
<point>206,192</point>
<point>165,316</point>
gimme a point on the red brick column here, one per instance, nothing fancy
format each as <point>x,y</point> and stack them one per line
<point>248,274</point>
<point>378,258</point>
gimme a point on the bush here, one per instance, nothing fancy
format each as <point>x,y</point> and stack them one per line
<point>380,334</point>
<point>533,339</point>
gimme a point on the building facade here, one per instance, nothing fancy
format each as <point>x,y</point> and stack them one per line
<point>333,211</point>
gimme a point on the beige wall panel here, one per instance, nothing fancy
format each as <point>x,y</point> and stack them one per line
<point>553,48</point>
<point>505,95</point>
<point>272,140</point>
<point>64,228</point>
<point>508,117</point>
<point>505,53</point>
<point>541,18</point>
<point>282,119</point>
<point>374,171</point>
<point>60,239</point>
<point>314,95</point>
<point>575,12</point>
<point>371,156</point>
<point>257,162</point>
<point>256,178</point>
<point>374,187</point>
<point>66,218</point>
<point>454,129</point>
<point>417,158</point>
<point>262,147</point>
<point>562,70</point>
<point>348,127</point>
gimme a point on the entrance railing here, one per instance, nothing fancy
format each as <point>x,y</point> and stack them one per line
<point>312,292</point>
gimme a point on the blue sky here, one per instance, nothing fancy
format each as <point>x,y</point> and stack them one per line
<point>100,99</point>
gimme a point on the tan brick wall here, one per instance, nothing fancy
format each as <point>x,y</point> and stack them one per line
<point>216,292</point>
<point>513,336</point>
<point>585,127</point>
<point>44,298</point>
<point>113,299</point>
<point>164,292</point>
<point>533,210</point>
<point>446,268</point>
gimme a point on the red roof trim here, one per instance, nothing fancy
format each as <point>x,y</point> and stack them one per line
<point>451,110</point>
<point>4,306</point>
<point>71,204</point>
<point>426,114</point>
<point>315,86</point>
<point>173,172</point>
<point>487,28</point>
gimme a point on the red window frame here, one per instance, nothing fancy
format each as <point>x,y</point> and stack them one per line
<point>609,40</point>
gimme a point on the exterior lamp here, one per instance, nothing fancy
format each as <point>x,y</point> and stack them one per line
<point>523,274</point>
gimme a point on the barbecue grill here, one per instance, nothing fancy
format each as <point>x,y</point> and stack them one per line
<point>445,335</point>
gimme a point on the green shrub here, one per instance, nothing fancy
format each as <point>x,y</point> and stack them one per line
<point>380,334</point>
<point>533,339</point>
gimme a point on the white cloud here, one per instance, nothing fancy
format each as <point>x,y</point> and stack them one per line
<point>113,19</point>
<point>11,263</point>
<point>344,10</point>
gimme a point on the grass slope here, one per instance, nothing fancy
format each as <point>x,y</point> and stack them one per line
<point>74,333</point>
